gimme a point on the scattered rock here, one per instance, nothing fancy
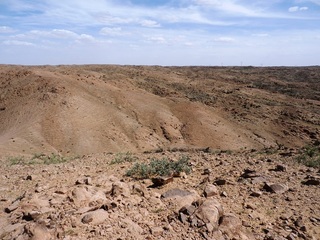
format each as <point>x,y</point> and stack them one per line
<point>120,188</point>
<point>139,189</point>
<point>132,228</point>
<point>248,173</point>
<point>176,192</point>
<point>311,182</point>
<point>276,188</point>
<point>156,231</point>
<point>224,194</point>
<point>220,182</point>
<point>38,232</point>
<point>12,207</point>
<point>180,198</point>
<point>105,207</point>
<point>231,226</point>
<point>259,179</point>
<point>85,180</point>
<point>210,190</point>
<point>255,193</point>
<point>160,181</point>
<point>207,171</point>
<point>280,168</point>
<point>30,177</point>
<point>209,213</point>
<point>95,217</point>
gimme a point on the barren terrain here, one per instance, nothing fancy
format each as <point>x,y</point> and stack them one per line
<point>70,134</point>
<point>91,109</point>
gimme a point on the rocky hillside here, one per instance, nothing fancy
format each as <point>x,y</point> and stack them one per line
<point>137,152</point>
<point>74,110</point>
<point>211,195</point>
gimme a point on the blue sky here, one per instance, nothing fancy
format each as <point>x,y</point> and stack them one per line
<point>160,32</point>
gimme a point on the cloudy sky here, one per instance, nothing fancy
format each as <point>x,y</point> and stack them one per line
<point>160,32</point>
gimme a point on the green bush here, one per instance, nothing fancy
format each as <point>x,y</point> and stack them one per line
<point>310,156</point>
<point>16,160</point>
<point>123,157</point>
<point>159,167</point>
<point>39,158</point>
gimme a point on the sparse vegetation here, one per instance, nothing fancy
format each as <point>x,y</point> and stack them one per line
<point>123,157</point>
<point>310,156</point>
<point>159,167</point>
<point>16,160</point>
<point>39,158</point>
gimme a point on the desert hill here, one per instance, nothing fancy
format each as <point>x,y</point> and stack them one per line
<point>105,108</point>
<point>149,152</point>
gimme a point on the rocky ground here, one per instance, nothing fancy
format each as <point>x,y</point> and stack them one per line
<point>241,128</point>
<point>227,195</point>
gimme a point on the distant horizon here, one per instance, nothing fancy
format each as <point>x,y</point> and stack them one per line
<point>160,32</point>
<point>154,65</point>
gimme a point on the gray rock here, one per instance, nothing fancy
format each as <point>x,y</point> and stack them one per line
<point>188,210</point>
<point>259,179</point>
<point>176,192</point>
<point>255,193</point>
<point>179,198</point>
<point>276,188</point>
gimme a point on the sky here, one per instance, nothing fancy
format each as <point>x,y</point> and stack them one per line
<point>160,32</point>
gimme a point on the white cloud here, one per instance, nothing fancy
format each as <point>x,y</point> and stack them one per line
<point>5,29</point>
<point>55,33</point>
<point>115,31</point>
<point>224,39</point>
<point>157,39</point>
<point>18,43</point>
<point>86,38</point>
<point>149,23</point>
<point>293,9</point>
<point>260,35</point>
<point>230,6</point>
<point>182,32</point>
<point>62,33</point>
<point>51,36</point>
<point>297,8</point>
<point>108,19</point>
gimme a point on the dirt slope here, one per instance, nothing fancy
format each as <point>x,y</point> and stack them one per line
<point>104,108</point>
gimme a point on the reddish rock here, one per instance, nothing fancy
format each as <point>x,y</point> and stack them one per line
<point>210,190</point>
<point>95,217</point>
